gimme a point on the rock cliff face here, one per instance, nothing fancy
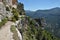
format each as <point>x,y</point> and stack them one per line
<point>0,0</point>
<point>6,8</point>
<point>2,11</point>
<point>14,2</point>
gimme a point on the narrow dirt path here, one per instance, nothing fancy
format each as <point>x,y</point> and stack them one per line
<point>5,33</point>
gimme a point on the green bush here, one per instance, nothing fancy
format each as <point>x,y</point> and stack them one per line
<point>15,13</point>
<point>13,19</point>
<point>3,22</point>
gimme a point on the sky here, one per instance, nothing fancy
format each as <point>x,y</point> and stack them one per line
<point>39,4</point>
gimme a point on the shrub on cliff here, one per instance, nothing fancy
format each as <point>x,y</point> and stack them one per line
<point>3,22</point>
<point>15,14</point>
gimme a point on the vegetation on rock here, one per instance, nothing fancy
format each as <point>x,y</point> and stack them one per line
<point>15,34</point>
<point>15,14</point>
<point>20,8</point>
<point>33,32</point>
<point>3,22</point>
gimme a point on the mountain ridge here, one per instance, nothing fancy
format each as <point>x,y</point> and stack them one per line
<point>44,9</point>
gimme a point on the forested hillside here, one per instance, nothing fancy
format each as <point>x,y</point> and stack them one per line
<point>52,17</point>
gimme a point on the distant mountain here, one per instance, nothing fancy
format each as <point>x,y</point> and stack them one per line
<point>44,13</point>
<point>52,17</point>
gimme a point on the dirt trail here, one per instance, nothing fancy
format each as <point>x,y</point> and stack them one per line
<point>5,33</point>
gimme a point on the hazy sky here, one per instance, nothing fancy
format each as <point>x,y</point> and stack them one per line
<point>40,4</point>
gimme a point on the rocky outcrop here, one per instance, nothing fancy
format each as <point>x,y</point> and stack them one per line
<point>2,11</point>
<point>19,34</point>
<point>14,2</point>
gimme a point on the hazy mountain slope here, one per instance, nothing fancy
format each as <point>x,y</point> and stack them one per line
<point>52,17</point>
